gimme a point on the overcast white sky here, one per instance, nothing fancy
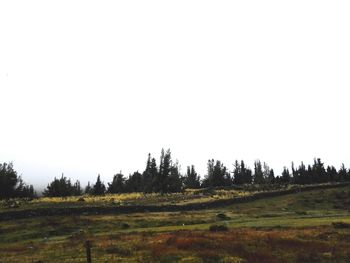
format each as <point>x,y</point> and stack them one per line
<point>90,87</point>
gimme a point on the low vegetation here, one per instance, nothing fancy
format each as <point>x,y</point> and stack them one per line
<point>309,226</point>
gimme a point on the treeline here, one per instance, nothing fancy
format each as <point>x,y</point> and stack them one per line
<point>12,185</point>
<point>166,178</point>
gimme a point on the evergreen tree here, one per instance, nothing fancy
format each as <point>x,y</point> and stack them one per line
<point>149,175</point>
<point>300,176</point>
<point>294,173</point>
<point>217,175</point>
<point>22,190</point>
<point>160,182</point>
<point>271,178</point>
<point>99,188</point>
<point>309,175</point>
<point>258,173</point>
<point>266,172</point>
<point>191,179</point>
<point>342,173</point>
<point>8,180</point>
<point>134,183</point>
<point>247,173</point>
<point>241,174</point>
<point>117,185</point>
<point>237,174</point>
<point>285,176</point>
<point>175,180</point>
<point>319,174</point>
<point>61,188</point>
<point>332,173</point>
<point>88,189</point>
<point>77,189</point>
<point>220,175</point>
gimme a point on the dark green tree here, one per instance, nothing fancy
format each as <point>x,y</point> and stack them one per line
<point>99,188</point>
<point>258,173</point>
<point>342,173</point>
<point>61,187</point>
<point>23,190</point>
<point>217,174</point>
<point>149,175</point>
<point>241,174</point>
<point>88,189</point>
<point>300,175</point>
<point>117,185</point>
<point>319,174</point>
<point>237,174</point>
<point>8,180</point>
<point>271,178</point>
<point>332,173</point>
<point>192,179</point>
<point>285,176</point>
<point>160,182</point>
<point>77,189</point>
<point>174,181</point>
<point>266,172</point>
<point>134,183</point>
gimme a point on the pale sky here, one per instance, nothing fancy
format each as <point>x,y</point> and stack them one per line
<point>90,87</point>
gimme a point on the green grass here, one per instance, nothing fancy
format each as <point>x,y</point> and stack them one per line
<point>290,228</point>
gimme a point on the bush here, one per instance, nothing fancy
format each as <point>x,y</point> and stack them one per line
<point>217,228</point>
<point>125,226</point>
<point>341,225</point>
<point>222,216</point>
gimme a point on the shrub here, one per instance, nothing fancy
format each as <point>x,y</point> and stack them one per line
<point>222,216</point>
<point>341,225</point>
<point>125,225</point>
<point>216,228</point>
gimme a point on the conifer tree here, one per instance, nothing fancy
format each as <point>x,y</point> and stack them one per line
<point>285,176</point>
<point>62,187</point>
<point>217,174</point>
<point>134,183</point>
<point>117,185</point>
<point>77,189</point>
<point>342,173</point>
<point>258,173</point>
<point>191,179</point>
<point>319,174</point>
<point>88,189</point>
<point>12,185</point>
<point>332,173</point>
<point>174,180</point>
<point>160,182</point>
<point>99,188</point>
<point>149,175</point>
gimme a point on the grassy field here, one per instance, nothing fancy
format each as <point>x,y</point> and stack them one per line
<point>311,226</point>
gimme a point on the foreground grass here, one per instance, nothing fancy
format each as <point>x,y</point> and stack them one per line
<point>291,228</point>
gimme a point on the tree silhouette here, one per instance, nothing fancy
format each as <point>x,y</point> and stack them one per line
<point>285,176</point>
<point>134,183</point>
<point>258,173</point>
<point>88,189</point>
<point>99,188</point>
<point>192,179</point>
<point>62,187</point>
<point>12,185</point>
<point>149,175</point>
<point>117,185</point>
<point>217,174</point>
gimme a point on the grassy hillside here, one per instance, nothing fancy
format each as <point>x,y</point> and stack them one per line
<point>312,226</point>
